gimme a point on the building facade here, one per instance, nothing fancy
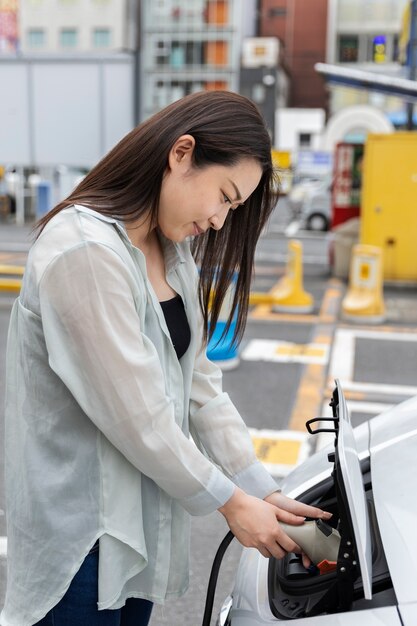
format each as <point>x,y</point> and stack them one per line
<point>189,46</point>
<point>67,26</point>
<point>365,34</point>
<point>301,28</point>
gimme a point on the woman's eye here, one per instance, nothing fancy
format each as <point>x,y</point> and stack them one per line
<point>226,199</point>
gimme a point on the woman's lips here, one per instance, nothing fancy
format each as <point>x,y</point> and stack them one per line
<point>197,229</point>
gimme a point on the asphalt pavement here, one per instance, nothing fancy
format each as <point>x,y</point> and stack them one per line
<point>288,363</point>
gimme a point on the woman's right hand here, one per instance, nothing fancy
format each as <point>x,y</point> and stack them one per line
<point>254,523</point>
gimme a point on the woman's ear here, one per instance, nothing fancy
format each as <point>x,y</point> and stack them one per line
<point>181,152</point>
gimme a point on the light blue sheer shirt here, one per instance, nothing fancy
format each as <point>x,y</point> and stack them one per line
<point>99,413</point>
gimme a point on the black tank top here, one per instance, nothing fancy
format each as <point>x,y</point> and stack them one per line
<point>177,323</point>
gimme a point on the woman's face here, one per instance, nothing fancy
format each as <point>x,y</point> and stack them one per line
<point>193,200</point>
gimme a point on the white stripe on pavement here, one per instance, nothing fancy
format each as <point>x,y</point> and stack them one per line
<point>3,546</point>
<point>285,352</point>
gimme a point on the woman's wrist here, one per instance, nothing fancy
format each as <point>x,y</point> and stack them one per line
<point>236,501</point>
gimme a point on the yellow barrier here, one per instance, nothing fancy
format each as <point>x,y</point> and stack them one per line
<point>12,269</point>
<point>364,301</point>
<point>289,295</point>
<point>11,284</point>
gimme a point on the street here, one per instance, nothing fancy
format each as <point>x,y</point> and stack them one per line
<point>275,396</point>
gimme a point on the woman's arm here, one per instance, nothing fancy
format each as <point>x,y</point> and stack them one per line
<point>97,348</point>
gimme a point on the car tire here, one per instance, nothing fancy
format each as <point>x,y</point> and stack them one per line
<point>317,222</point>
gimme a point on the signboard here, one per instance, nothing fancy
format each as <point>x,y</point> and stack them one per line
<point>379,49</point>
<point>347,182</point>
<point>314,162</point>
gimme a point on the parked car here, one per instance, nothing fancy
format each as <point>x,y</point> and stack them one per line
<point>367,480</point>
<point>301,187</point>
<point>316,208</point>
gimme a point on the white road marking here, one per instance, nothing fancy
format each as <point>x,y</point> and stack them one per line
<point>380,388</point>
<point>343,356</point>
<point>3,546</point>
<point>354,406</point>
<point>285,352</point>
<point>284,449</point>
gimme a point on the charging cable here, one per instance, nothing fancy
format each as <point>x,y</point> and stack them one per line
<point>211,589</point>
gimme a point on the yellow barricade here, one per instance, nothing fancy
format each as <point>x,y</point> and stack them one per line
<point>364,301</point>
<point>289,295</point>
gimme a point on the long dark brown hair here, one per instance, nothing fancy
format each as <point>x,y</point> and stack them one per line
<point>126,184</point>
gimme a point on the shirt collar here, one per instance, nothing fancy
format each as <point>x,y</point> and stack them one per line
<point>172,250</point>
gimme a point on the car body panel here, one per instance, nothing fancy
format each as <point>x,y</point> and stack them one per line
<point>393,452</point>
<point>408,614</point>
<point>392,438</point>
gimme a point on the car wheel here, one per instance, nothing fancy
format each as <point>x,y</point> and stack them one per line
<point>317,222</point>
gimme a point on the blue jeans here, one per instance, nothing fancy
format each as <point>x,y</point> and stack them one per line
<point>78,607</point>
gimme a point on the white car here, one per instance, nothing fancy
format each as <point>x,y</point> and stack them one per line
<point>368,481</point>
<point>302,186</point>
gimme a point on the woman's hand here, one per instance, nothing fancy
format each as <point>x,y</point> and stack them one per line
<point>293,512</point>
<point>254,522</point>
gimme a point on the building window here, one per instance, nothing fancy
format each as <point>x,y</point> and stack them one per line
<point>304,140</point>
<point>277,12</point>
<point>348,48</point>
<point>178,54</point>
<point>36,38</point>
<point>68,38</point>
<point>101,37</point>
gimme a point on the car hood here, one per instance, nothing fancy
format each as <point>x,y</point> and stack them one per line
<point>393,450</point>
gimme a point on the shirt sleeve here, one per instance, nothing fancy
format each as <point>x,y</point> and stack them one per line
<point>220,430</point>
<point>97,348</point>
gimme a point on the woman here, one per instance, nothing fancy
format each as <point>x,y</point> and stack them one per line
<point>107,374</point>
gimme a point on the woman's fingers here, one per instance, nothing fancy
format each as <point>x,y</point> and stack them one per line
<point>296,508</point>
<point>255,524</point>
<point>306,560</point>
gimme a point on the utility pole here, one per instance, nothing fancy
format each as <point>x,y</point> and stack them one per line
<point>412,59</point>
<point>134,41</point>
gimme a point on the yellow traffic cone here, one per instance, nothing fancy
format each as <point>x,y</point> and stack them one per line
<point>364,301</point>
<point>289,294</point>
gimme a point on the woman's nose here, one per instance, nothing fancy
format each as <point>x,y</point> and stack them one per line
<point>218,219</point>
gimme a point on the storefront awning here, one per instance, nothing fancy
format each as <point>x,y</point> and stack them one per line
<point>361,79</point>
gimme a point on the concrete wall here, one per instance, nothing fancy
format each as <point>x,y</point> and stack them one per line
<point>82,15</point>
<point>58,111</point>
